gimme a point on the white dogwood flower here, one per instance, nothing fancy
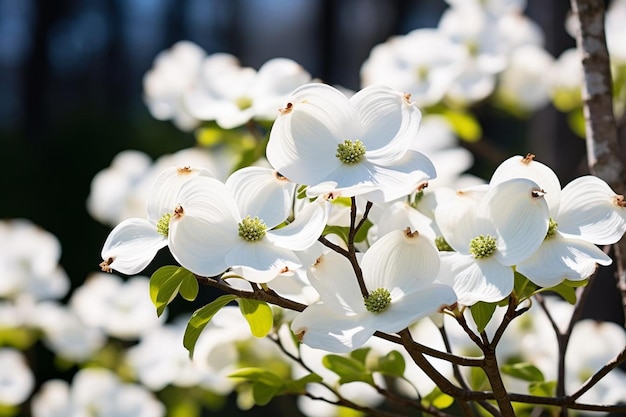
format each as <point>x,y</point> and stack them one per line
<point>215,226</point>
<point>399,272</point>
<point>490,231</point>
<point>355,146</point>
<point>585,213</point>
<point>232,95</point>
<point>134,242</point>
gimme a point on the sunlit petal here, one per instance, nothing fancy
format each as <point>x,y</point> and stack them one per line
<point>305,230</point>
<point>162,195</point>
<point>559,258</point>
<point>389,122</point>
<point>457,218</point>
<point>475,280</point>
<point>589,210</point>
<point>519,212</point>
<point>262,256</point>
<point>132,245</point>
<point>322,328</point>
<point>400,259</point>
<point>259,191</point>
<point>206,229</point>
<point>527,167</point>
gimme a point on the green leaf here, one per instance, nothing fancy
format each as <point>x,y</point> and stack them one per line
<point>258,314</point>
<point>348,369</point>
<point>523,370</point>
<point>524,288</point>
<point>360,354</point>
<point>438,399</point>
<point>482,313</point>
<point>542,389</point>
<point>564,290</point>
<point>189,287</point>
<point>165,284</point>
<point>392,364</point>
<point>340,231</point>
<point>265,384</point>
<point>253,374</point>
<point>361,234</point>
<point>299,386</point>
<point>200,318</point>
<point>263,393</point>
<point>465,125</point>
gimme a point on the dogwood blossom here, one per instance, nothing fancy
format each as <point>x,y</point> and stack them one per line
<point>585,213</point>
<point>216,226</point>
<point>232,95</point>
<point>349,147</point>
<point>477,225</point>
<point>134,242</point>
<point>398,272</point>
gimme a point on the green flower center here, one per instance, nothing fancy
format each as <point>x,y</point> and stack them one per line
<point>243,103</point>
<point>552,226</point>
<point>442,245</point>
<point>163,225</point>
<point>252,229</point>
<point>350,152</point>
<point>378,300</point>
<point>482,246</point>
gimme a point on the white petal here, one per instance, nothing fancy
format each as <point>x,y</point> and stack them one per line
<point>402,260</point>
<point>304,138</point>
<point>334,279</point>
<point>401,215</point>
<point>411,307</point>
<point>520,215</point>
<point>389,122</point>
<point>305,230</point>
<point>457,219</point>
<point>162,196</point>
<point>262,256</point>
<point>559,258</point>
<point>520,167</point>
<point>207,230</point>
<point>258,191</point>
<point>401,178</point>
<point>132,245</point>
<point>475,280</point>
<point>321,328</point>
<point>589,210</point>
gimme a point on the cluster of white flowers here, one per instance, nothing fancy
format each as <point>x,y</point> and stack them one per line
<point>382,163</point>
<point>188,86</point>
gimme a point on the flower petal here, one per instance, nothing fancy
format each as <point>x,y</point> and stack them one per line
<point>389,122</point>
<point>322,328</point>
<point>132,245</point>
<point>527,167</point>
<point>457,219</point>
<point>262,256</point>
<point>334,279</point>
<point>259,191</point>
<point>403,177</point>
<point>162,196</point>
<point>304,138</point>
<point>305,230</point>
<point>559,258</point>
<point>589,211</point>
<point>401,259</point>
<point>409,308</point>
<point>519,213</point>
<point>475,280</point>
<point>207,229</point>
